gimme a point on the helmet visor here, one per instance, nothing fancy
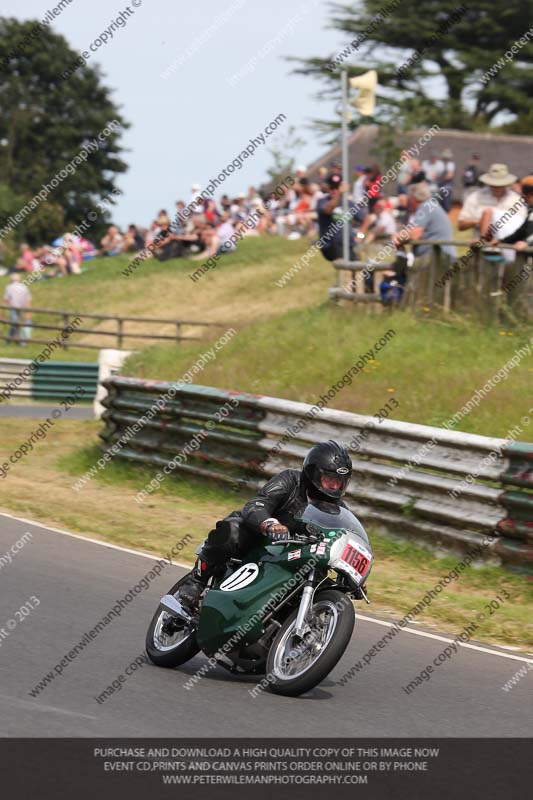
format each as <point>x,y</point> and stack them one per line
<point>332,484</point>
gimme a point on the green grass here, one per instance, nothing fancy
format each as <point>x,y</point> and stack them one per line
<point>430,368</point>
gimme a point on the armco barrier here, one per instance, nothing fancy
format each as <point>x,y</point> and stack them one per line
<point>411,500</point>
<point>60,378</point>
<point>47,380</point>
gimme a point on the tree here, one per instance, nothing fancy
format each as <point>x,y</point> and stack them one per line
<point>45,122</point>
<point>283,154</point>
<point>431,57</point>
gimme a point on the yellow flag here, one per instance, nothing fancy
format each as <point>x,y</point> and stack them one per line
<point>365,102</point>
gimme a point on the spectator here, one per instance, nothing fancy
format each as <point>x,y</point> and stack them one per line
<point>427,221</point>
<point>72,254</point>
<point>330,213</point>
<point>495,193</point>
<point>390,289</point>
<point>163,220</point>
<point>471,173</point>
<point>445,180</point>
<point>225,232</point>
<point>113,242</point>
<point>514,226</point>
<point>381,222</point>
<point>225,203</point>
<point>18,297</point>
<point>26,262</point>
<point>133,240</point>
<point>432,168</point>
<point>373,185</point>
<point>523,237</point>
<point>196,203</point>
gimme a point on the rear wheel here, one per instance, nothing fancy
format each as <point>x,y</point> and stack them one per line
<point>295,665</point>
<point>169,641</point>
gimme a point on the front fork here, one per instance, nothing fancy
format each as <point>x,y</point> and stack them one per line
<point>305,605</point>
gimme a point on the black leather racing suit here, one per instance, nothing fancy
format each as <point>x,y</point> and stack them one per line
<point>284,497</point>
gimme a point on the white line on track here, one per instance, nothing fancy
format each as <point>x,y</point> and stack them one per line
<point>445,639</point>
<point>32,706</point>
<point>363,617</point>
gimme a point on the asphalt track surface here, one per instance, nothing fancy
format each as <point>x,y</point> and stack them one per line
<point>77,581</point>
<point>42,412</point>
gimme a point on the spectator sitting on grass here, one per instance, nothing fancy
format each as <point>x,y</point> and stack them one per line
<point>26,261</point>
<point>225,231</point>
<point>112,242</point>
<point>72,254</point>
<point>133,240</point>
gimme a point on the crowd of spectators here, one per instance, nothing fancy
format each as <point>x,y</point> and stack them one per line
<point>203,228</point>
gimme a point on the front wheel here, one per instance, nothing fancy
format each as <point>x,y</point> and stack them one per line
<point>295,665</point>
<point>170,642</point>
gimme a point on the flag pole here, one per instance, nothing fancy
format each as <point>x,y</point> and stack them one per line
<point>345,166</point>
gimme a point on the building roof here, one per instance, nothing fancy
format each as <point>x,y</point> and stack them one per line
<point>515,151</point>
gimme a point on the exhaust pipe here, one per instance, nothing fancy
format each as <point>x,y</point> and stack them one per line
<point>175,608</point>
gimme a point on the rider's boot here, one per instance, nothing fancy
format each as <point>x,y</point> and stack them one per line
<point>191,590</point>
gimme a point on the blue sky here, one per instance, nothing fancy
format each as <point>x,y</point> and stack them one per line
<point>188,126</point>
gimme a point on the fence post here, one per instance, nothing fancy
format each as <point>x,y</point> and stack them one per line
<point>178,330</point>
<point>66,318</point>
<point>120,330</point>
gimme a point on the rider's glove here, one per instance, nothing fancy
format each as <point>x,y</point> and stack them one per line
<point>275,530</point>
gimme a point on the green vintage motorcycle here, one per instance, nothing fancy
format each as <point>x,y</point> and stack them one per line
<point>285,611</point>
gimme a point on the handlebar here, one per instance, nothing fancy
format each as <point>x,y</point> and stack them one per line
<point>301,540</point>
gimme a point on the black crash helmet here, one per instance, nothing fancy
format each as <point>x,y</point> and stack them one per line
<point>327,470</point>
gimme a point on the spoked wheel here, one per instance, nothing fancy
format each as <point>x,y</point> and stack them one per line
<point>295,665</point>
<point>169,641</point>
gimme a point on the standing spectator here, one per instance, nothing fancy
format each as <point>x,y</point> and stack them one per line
<point>495,193</point>
<point>359,195</point>
<point>330,213</point>
<point>445,180</point>
<point>18,297</point>
<point>373,185</point>
<point>433,168</point>
<point>471,173</point>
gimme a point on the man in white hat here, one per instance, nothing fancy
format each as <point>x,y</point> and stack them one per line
<point>496,193</point>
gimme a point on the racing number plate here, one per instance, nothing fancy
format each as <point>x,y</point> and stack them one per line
<point>356,560</point>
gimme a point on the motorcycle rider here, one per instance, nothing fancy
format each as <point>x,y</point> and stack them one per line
<point>327,470</point>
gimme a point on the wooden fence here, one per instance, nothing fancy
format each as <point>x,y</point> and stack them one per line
<point>119,333</point>
<point>477,283</point>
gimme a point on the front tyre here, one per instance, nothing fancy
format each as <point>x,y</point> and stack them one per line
<point>294,665</point>
<point>170,642</point>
